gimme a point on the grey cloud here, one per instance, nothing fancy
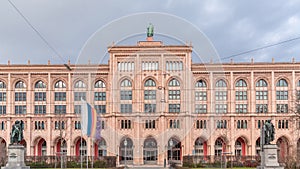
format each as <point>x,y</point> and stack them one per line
<point>233,26</point>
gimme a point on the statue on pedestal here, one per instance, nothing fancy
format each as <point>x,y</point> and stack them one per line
<point>16,151</point>
<point>269,157</point>
<point>269,132</point>
<point>16,135</point>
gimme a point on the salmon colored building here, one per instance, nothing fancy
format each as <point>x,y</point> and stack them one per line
<point>155,104</point>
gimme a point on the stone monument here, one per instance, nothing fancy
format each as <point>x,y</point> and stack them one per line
<point>268,153</point>
<point>16,151</point>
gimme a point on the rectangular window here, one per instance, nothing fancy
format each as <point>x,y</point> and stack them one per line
<point>2,110</point>
<point>281,95</point>
<point>261,108</point>
<point>126,66</point>
<point>174,65</point>
<point>126,95</point>
<point>150,124</point>
<point>174,108</point>
<point>200,96</point>
<point>2,96</point>
<point>60,96</point>
<point>126,108</point>
<point>201,124</point>
<point>221,95</point>
<point>174,94</point>
<point>40,96</point>
<point>125,124</point>
<point>78,96</point>
<point>261,95</point>
<point>221,108</point>
<point>40,109</point>
<point>99,96</point>
<point>241,108</point>
<point>282,108</point>
<point>241,95</point>
<point>150,108</point>
<point>77,109</point>
<point>200,108</point>
<point>149,94</point>
<point>149,65</point>
<point>174,124</point>
<point>20,96</point>
<point>100,109</point>
<point>60,109</point>
<point>20,109</point>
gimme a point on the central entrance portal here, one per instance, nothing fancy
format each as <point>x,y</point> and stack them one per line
<point>150,151</point>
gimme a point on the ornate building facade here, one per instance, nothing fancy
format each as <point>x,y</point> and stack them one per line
<point>155,104</point>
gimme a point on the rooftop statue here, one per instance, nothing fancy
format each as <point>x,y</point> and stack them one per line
<point>16,135</point>
<point>269,132</point>
<point>150,30</point>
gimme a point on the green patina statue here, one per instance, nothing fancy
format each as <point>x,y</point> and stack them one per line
<point>269,132</point>
<point>150,30</point>
<point>16,135</point>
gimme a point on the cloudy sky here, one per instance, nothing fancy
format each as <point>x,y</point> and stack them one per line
<point>233,26</point>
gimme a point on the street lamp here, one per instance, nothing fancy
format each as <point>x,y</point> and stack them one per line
<point>125,144</point>
<point>171,151</point>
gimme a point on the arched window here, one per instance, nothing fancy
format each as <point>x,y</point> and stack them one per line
<point>241,83</point>
<point>200,147</point>
<point>126,151</point>
<point>282,83</point>
<point>200,83</point>
<point>150,83</point>
<point>40,85</point>
<point>102,148</point>
<point>174,82</point>
<point>100,84</point>
<point>79,84</point>
<point>221,83</point>
<point>60,84</point>
<point>2,85</point>
<point>126,83</point>
<point>261,83</point>
<point>279,124</point>
<point>20,85</point>
<point>219,147</point>
<point>150,150</point>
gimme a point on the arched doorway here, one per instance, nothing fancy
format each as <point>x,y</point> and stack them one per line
<point>126,151</point>
<point>61,147</point>
<point>100,148</point>
<point>200,147</point>
<point>240,147</point>
<point>40,148</point>
<point>174,150</point>
<point>220,147</point>
<point>81,147</point>
<point>150,151</point>
<point>3,149</point>
<point>283,150</point>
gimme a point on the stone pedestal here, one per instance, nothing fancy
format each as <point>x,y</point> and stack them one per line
<point>16,158</point>
<point>269,158</point>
